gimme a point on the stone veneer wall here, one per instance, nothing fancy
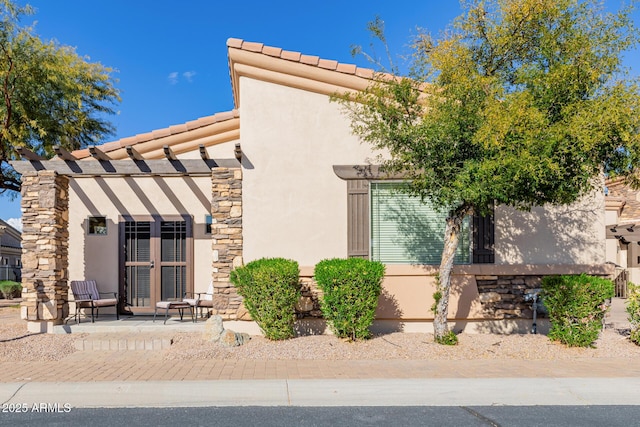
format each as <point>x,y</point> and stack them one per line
<point>503,297</point>
<point>226,233</point>
<point>45,248</point>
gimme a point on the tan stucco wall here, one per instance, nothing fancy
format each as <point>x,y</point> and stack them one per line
<point>612,245</point>
<point>407,293</point>
<point>294,204</point>
<point>572,234</point>
<point>218,151</point>
<point>96,257</point>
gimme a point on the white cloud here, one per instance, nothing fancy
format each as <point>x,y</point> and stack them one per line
<point>189,75</point>
<point>173,77</point>
<point>15,223</point>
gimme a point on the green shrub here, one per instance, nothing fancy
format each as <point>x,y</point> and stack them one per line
<point>350,288</point>
<point>450,338</point>
<point>576,306</point>
<point>10,289</point>
<point>633,310</point>
<point>270,288</point>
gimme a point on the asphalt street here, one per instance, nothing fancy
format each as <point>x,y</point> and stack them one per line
<point>442,416</point>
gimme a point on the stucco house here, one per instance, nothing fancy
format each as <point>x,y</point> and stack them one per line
<point>281,175</point>
<point>623,233</point>
<point>10,252</point>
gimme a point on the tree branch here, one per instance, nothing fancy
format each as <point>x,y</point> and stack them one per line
<point>7,101</point>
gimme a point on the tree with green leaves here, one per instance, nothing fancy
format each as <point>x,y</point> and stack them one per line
<point>519,103</point>
<point>50,96</point>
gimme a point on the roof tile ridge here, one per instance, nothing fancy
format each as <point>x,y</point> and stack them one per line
<point>293,56</point>
<point>200,122</point>
<point>181,127</point>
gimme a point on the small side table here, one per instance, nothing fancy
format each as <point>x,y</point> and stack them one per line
<point>172,305</point>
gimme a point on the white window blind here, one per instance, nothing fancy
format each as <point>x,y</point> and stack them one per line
<point>404,230</point>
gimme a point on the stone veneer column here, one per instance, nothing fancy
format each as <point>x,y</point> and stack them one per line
<point>226,233</point>
<point>45,247</point>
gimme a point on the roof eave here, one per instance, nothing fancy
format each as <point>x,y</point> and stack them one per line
<point>292,69</point>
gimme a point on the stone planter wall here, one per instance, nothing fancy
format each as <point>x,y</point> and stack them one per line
<point>503,297</point>
<point>308,305</point>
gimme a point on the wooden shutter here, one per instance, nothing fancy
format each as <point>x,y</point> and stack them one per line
<point>483,239</point>
<point>358,218</point>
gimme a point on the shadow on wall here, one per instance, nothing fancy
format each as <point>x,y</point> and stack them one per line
<point>310,326</point>
<point>503,327</point>
<point>389,310</point>
<point>412,227</point>
<point>461,288</point>
<point>551,235</point>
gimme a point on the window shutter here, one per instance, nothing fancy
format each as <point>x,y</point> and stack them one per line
<point>358,218</point>
<point>483,239</point>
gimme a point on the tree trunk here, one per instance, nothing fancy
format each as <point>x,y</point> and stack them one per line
<point>451,239</point>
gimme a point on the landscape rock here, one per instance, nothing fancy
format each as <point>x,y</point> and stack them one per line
<point>213,329</point>
<point>233,339</point>
<point>243,314</point>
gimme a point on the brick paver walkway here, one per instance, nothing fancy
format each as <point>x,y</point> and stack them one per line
<point>150,366</point>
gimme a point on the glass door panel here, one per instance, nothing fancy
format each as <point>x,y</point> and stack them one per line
<point>173,259</point>
<point>137,278</point>
<point>156,262</point>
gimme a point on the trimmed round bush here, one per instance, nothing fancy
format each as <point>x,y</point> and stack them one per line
<point>270,288</point>
<point>577,307</point>
<point>633,311</point>
<point>350,288</point>
<point>10,289</point>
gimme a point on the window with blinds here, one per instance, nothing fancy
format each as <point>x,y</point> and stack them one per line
<point>404,230</point>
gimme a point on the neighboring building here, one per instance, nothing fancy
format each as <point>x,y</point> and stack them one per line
<point>623,233</point>
<point>281,175</point>
<point>10,252</point>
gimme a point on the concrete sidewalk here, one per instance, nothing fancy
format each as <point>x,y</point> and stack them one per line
<point>330,392</point>
<point>144,379</point>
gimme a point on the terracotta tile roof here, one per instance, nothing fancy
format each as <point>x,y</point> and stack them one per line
<point>629,197</point>
<point>162,133</point>
<point>255,48</point>
<point>301,58</point>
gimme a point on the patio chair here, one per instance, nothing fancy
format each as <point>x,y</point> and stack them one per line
<point>86,295</point>
<point>200,300</point>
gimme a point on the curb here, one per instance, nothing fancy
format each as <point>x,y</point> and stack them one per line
<point>304,393</point>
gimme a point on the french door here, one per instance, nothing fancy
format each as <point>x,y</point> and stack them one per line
<point>156,261</point>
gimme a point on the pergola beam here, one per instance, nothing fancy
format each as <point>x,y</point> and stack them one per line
<point>624,232</point>
<point>98,154</point>
<point>133,153</point>
<point>203,152</point>
<point>25,153</point>
<point>64,154</point>
<point>127,167</point>
<point>168,153</point>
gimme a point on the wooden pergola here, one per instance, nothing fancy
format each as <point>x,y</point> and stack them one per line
<point>45,205</point>
<point>100,164</point>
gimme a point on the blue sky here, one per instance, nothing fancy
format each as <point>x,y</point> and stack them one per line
<point>171,56</point>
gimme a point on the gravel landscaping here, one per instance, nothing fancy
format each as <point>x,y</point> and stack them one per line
<point>17,344</point>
